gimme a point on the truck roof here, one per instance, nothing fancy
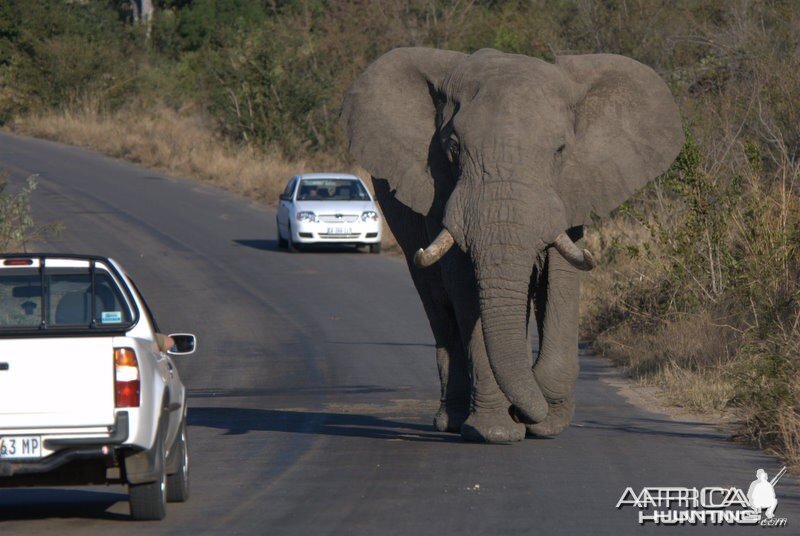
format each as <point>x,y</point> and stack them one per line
<point>73,256</point>
<point>69,260</point>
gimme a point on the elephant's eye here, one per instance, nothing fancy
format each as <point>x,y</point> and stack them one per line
<point>561,148</point>
<point>452,148</point>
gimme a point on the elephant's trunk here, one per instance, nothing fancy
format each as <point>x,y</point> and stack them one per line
<point>503,280</point>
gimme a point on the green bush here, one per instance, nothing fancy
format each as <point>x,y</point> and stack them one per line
<point>16,223</point>
<point>63,54</point>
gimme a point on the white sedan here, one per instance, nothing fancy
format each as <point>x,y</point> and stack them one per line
<point>318,208</point>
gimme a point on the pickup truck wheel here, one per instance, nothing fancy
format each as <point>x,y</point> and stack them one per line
<point>149,501</point>
<point>178,484</point>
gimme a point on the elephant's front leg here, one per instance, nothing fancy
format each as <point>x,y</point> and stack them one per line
<point>451,359</point>
<point>556,370</point>
<point>410,230</point>
<point>453,375</point>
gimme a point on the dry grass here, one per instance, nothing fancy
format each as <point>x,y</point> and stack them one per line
<point>789,429</point>
<point>685,357</point>
<point>705,390</point>
<point>178,144</point>
<point>183,145</point>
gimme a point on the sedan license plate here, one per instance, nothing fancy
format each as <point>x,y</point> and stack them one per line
<point>20,447</point>
<point>338,230</point>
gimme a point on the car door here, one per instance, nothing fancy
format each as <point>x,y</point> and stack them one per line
<point>169,373</point>
<point>165,368</point>
<point>285,207</point>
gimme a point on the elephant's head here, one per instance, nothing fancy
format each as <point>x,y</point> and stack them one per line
<point>510,152</point>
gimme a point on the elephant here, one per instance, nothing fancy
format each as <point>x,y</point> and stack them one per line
<point>507,158</point>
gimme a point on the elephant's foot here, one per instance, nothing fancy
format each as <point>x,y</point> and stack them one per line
<point>559,415</point>
<point>450,419</point>
<point>494,426</point>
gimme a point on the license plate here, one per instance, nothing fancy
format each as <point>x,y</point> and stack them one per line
<point>339,230</point>
<point>19,447</point>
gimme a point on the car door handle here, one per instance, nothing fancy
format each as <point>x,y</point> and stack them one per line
<point>3,366</point>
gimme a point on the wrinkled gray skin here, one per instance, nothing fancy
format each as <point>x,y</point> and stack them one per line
<point>506,152</point>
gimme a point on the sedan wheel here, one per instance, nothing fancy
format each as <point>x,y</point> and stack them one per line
<point>290,243</point>
<point>282,243</point>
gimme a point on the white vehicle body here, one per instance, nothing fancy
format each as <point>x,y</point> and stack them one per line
<point>345,214</point>
<point>69,410</point>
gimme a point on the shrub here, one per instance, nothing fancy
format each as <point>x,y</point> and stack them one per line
<point>55,53</point>
<point>16,223</point>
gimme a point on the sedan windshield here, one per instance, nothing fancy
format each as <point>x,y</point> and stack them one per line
<point>332,190</point>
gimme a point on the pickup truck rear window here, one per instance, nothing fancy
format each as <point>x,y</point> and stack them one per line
<point>61,298</point>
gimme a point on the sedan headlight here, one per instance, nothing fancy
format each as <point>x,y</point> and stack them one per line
<point>369,215</point>
<point>306,216</point>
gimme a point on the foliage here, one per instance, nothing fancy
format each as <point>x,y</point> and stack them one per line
<point>715,242</point>
<point>55,54</point>
<point>16,223</point>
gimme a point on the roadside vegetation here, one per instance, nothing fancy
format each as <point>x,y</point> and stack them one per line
<point>698,290</point>
<point>16,223</point>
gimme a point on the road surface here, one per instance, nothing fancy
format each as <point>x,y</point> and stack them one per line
<point>314,386</point>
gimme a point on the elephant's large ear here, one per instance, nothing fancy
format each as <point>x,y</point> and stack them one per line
<point>389,118</point>
<point>627,132</point>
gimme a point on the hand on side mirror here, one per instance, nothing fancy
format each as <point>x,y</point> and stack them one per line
<point>164,342</point>
<point>184,344</point>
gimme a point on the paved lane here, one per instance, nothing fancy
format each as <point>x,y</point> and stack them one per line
<point>314,385</point>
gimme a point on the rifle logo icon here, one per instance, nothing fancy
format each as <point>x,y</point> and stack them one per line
<point>761,494</point>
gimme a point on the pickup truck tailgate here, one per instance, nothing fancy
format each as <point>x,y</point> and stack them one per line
<point>56,382</point>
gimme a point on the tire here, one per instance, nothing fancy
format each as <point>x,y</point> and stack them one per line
<point>149,501</point>
<point>282,243</point>
<point>178,484</point>
<point>290,243</point>
<point>375,248</point>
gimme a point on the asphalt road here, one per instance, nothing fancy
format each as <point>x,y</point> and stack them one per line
<point>313,389</point>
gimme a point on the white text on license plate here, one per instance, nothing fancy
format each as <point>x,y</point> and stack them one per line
<point>14,447</point>
<point>338,230</point>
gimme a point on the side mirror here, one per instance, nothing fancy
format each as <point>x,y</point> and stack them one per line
<point>185,344</point>
<point>285,197</point>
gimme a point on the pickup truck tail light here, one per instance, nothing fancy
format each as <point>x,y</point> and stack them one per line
<point>18,262</point>
<point>126,378</point>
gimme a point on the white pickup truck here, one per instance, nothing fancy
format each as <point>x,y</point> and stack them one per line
<point>88,390</point>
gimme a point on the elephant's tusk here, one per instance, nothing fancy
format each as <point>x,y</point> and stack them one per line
<point>580,259</point>
<point>433,253</point>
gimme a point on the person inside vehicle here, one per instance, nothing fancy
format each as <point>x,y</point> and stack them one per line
<point>164,342</point>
